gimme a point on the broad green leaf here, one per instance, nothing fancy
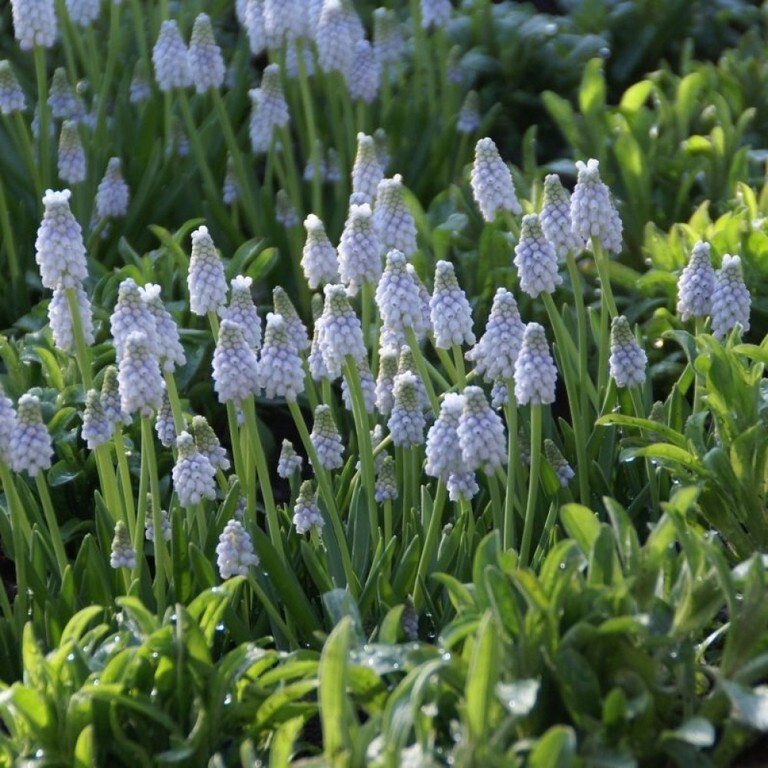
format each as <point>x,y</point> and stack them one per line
<point>592,89</point>
<point>635,96</point>
<point>335,712</point>
<point>85,749</point>
<point>283,741</point>
<point>482,678</point>
<point>581,524</point>
<point>285,703</point>
<point>555,749</point>
<point>76,626</point>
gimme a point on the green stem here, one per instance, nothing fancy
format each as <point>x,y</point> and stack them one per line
<point>173,399</point>
<point>420,363</point>
<point>270,608</point>
<point>44,149</point>
<point>430,545</point>
<point>148,460</point>
<point>326,491</point>
<point>314,148</point>
<point>81,348</point>
<point>255,446</point>
<point>698,388</point>
<point>10,246</point>
<point>364,444</point>
<point>533,483</point>
<point>125,477</point>
<point>25,144</point>
<point>113,45</point>
<point>513,463</point>
<point>52,522</point>
<point>458,361</point>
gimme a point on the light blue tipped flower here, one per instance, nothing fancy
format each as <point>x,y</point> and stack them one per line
<point>235,368</point>
<point>83,12</point>
<point>253,21</point>
<point>169,349</point>
<point>385,488</point>
<point>122,555</point>
<point>30,447</point>
<point>139,378</point>
<point>206,280</point>
<point>130,314</point>
<point>71,158</point>
<point>469,114</point>
<point>535,259</point>
<point>340,334</point>
<point>444,455</point>
<point>289,461</point>
<point>242,310</point>
<point>60,251</point>
<point>399,299</point>
<point>393,222</point>
<point>593,214</point>
<point>364,73</point>
<point>450,312</point>
<point>297,331</point>
<point>481,434</point>
<point>385,380</point>
<point>496,352</point>
<point>558,463</point>
<point>208,443</point>
<point>335,44</point>
<point>555,218</point>
<point>367,384</point>
<point>406,421</point>
<point>435,14</point>
<point>205,59</point>
<point>12,97</point>
<point>306,512</point>
<point>491,182</point>
<point>535,371</point>
<point>319,258</point>
<point>112,195</point>
<point>170,58</point>
<point>731,301</point>
<point>359,250</point>
<point>60,318</point>
<point>269,109</point>
<point>627,361</point>
<point>97,428</point>
<point>165,426</point>
<point>34,23</point>
<point>366,171</point>
<point>280,372</point>
<point>234,552</point>
<point>697,284</point>
<point>193,474</point>
<point>326,439</point>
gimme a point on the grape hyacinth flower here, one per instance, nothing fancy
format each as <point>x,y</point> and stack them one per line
<point>30,447</point>
<point>366,171</point>
<point>297,331</point>
<point>60,251</point>
<point>97,428</point>
<point>385,380</point>
<point>392,220</point>
<point>481,433</point>
<point>253,21</point>
<point>34,23</point>
<point>536,259</point>
<point>12,97</point>
<point>193,474</point>
<point>230,189</point>
<point>206,280</point>
<point>555,217</point>
<point>406,421</point>
<point>140,89</point>
<point>469,114</point>
<point>388,41</point>
<point>306,512</point>
<point>364,73</point>
<point>333,38</point>
<point>697,284</point>
<point>71,158</point>
<point>235,369</point>
<point>285,212</point>
<point>491,182</point>
<point>340,334</point>
<point>495,354</point>
<point>170,58</point>
<point>289,461</point>
<point>406,362</point>
<point>165,426</point>
<point>449,309</point>
<point>123,555</point>
<point>730,301</point>
<point>234,551</point>
<point>292,62</point>
<point>205,60</point>
<point>385,488</point>
<point>280,372</point>
<point>444,455</point>
<point>462,486</point>
<point>535,371</point>
<point>319,258</point>
<point>131,314</point>
<point>359,250</point>
<point>284,21</point>
<point>269,109</point>
<point>113,194</point>
<point>332,167</point>
<point>399,300</point>
<point>559,463</point>
<point>242,310</point>
<point>110,398</point>
<point>593,213</point>
<point>139,377</point>
<point>149,522</point>
<point>627,361</point>
<point>62,99</point>
<point>60,318</point>
<point>7,422</point>
<point>83,12</point>
<point>169,349</point>
<point>326,439</point>
<point>435,14</point>
<point>367,385</point>
<point>499,394</point>
<point>208,444</point>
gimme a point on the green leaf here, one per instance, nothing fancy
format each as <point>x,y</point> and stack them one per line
<point>592,90</point>
<point>635,96</point>
<point>85,749</point>
<point>481,679</point>
<point>581,524</point>
<point>555,749</point>
<point>335,713</point>
<point>283,741</point>
<point>76,626</point>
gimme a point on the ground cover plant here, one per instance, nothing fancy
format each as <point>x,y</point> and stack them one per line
<point>328,437</point>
